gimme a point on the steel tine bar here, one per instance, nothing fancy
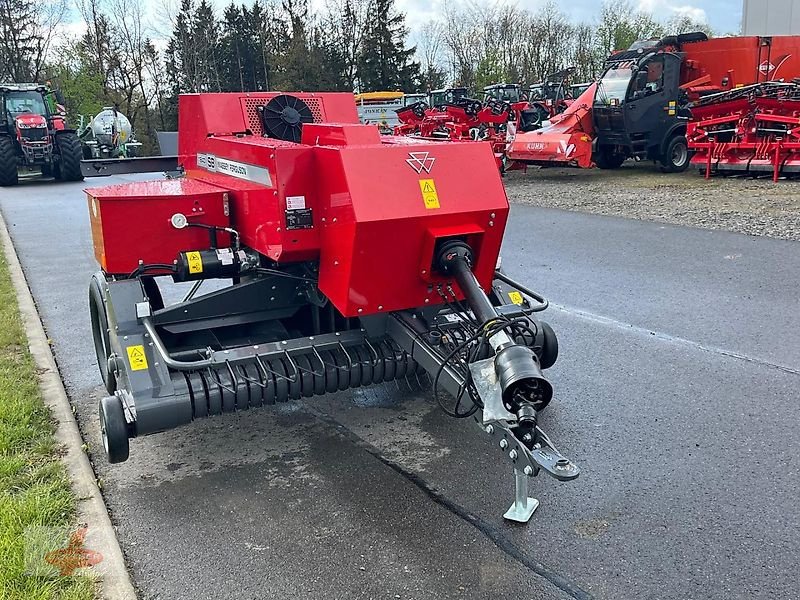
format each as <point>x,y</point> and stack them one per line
<point>311,371</point>
<point>250,379</point>
<point>234,379</point>
<point>372,349</point>
<point>212,375</point>
<point>264,370</point>
<point>292,379</point>
<point>296,374</point>
<point>347,356</point>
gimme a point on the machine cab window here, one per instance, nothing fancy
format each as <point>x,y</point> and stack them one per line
<point>648,80</point>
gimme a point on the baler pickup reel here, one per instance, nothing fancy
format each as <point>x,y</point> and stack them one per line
<point>337,279</point>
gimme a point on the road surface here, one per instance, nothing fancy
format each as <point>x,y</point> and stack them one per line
<point>676,392</point>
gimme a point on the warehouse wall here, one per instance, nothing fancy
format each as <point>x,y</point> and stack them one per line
<point>771,17</point>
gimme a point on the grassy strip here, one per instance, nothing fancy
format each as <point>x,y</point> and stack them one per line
<point>34,487</point>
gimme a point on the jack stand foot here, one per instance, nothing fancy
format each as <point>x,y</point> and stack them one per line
<point>523,506</point>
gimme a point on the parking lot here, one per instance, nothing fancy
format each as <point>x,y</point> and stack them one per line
<point>676,393</point>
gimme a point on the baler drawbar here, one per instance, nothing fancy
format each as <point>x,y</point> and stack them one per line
<point>337,278</point>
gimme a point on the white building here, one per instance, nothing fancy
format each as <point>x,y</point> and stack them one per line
<point>771,17</point>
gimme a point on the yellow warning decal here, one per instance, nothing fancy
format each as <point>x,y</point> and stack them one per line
<point>515,297</point>
<point>195,262</point>
<point>429,195</point>
<point>137,358</point>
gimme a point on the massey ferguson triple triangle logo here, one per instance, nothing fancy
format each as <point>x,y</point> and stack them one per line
<point>420,161</point>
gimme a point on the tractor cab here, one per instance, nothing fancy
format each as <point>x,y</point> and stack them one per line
<point>441,98</point>
<point>554,89</point>
<point>504,92</point>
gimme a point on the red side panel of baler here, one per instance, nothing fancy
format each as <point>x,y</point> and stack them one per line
<point>274,188</point>
<point>384,207</point>
<point>131,222</point>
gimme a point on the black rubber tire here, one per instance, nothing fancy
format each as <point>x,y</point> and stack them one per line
<point>8,162</point>
<point>100,335</point>
<point>47,170</point>
<point>676,157</point>
<point>608,159</point>
<point>69,147</point>
<point>549,346</point>
<point>113,429</point>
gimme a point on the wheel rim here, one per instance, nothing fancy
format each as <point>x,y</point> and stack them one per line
<point>679,154</point>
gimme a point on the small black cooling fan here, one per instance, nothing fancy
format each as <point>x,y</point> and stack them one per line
<point>283,117</point>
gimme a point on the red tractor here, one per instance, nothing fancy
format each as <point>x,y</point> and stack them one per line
<point>34,135</point>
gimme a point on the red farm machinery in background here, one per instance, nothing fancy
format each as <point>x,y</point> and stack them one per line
<point>641,106</point>
<point>494,120</point>
<point>752,130</point>
<point>338,278</point>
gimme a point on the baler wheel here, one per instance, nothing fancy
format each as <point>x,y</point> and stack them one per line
<point>8,162</point>
<point>549,346</point>
<point>100,334</point>
<point>113,429</point>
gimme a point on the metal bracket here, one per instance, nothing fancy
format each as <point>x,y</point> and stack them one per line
<point>524,506</point>
<point>484,377</point>
<point>527,463</point>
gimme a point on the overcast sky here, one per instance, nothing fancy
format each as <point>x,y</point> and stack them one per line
<point>724,16</point>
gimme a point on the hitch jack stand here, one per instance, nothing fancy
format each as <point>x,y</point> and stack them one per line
<point>523,507</point>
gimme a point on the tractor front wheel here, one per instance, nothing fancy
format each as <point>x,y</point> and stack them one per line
<point>676,155</point>
<point>8,161</point>
<point>69,146</point>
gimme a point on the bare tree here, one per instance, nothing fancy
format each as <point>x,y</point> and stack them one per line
<point>27,32</point>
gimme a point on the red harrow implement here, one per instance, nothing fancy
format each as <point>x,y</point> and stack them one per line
<point>751,130</point>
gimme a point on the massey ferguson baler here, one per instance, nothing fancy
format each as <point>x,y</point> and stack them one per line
<point>639,108</point>
<point>338,278</point>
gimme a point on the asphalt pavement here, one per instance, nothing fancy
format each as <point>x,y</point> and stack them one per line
<point>677,393</point>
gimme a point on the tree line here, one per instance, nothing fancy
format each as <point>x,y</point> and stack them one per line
<point>349,45</point>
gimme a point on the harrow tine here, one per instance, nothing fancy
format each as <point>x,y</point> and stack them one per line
<point>374,352</point>
<point>252,380</point>
<point>267,371</point>
<point>214,377</point>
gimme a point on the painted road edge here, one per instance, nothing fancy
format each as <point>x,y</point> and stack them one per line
<point>115,580</point>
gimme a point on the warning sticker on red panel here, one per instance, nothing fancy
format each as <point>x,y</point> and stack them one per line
<point>429,195</point>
